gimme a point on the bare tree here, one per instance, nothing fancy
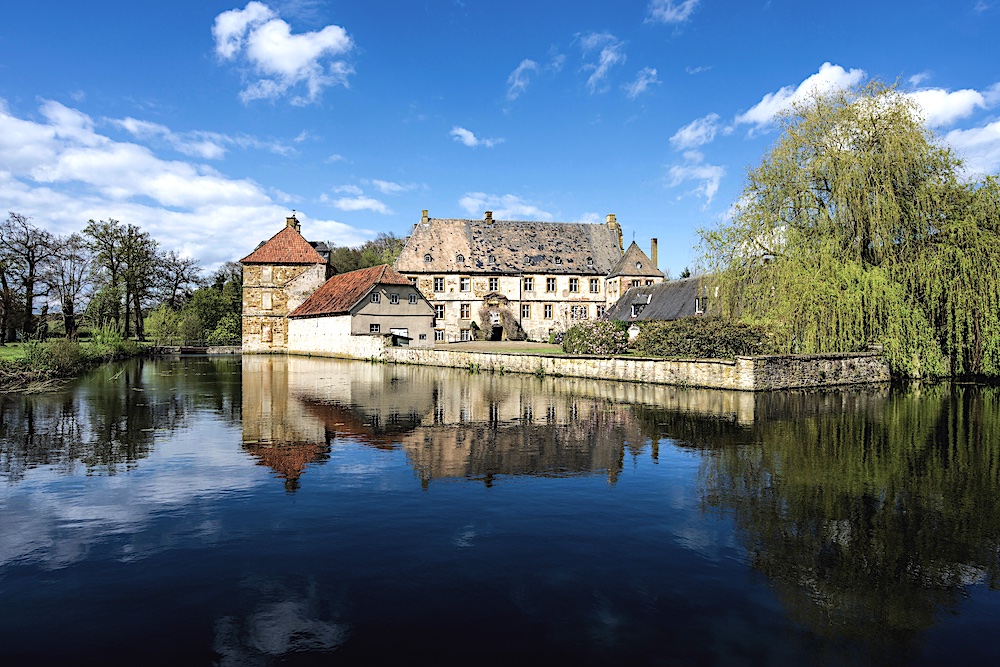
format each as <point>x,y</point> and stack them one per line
<point>29,247</point>
<point>179,277</point>
<point>67,275</point>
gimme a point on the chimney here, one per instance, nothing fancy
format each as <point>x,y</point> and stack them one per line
<point>654,253</point>
<point>424,219</point>
<point>616,228</point>
<point>293,222</point>
<point>489,217</point>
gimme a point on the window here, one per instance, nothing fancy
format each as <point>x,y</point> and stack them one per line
<point>558,260</point>
<point>493,259</point>
<point>699,304</point>
<point>638,265</point>
<point>466,335</point>
<point>374,328</point>
<point>439,311</point>
<point>525,310</point>
<point>529,284</point>
<point>460,259</point>
<point>393,299</point>
<point>648,283</point>
<point>413,299</point>
<point>413,280</point>
<point>636,283</point>
<point>578,312</point>
<point>439,284</point>
<point>265,301</point>
<point>494,284</point>
<point>595,285</point>
<point>428,258</point>
<point>266,274</point>
<point>637,308</point>
<point>600,311</point>
<point>465,311</point>
<point>550,284</point>
<point>465,284</point>
<point>548,311</point>
<point>423,336</point>
<point>574,284</point>
<point>376,297</point>
<point>439,334</point>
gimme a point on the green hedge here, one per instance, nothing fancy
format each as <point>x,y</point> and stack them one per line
<point>602,337</point>
<point>704,338</point>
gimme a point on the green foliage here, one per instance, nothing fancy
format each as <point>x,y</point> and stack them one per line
<point>601,337</point>
<point>229,331</point>
<point>857,228</point>
<point>699,337</point>
<point>383,249</point>
<point>191,330</point>
<point>108,343</point>
<point>65,356</point>
<point>163,325</point>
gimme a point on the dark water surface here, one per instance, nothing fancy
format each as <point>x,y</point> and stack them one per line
<point>277,510</point>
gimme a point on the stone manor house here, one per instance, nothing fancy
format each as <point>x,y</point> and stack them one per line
<point>463,279</point>
<point>513,278</point>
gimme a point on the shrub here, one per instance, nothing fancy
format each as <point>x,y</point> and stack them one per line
<point>229,331</point>
<point>601,337</point>
<point>703,337</point>
<point>64,356</point>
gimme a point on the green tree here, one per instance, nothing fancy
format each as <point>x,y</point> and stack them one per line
<point>163,324</point>
<point>858,227</point>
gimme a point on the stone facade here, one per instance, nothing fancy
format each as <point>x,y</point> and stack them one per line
<point>500,279</point>
<point>270,292</point>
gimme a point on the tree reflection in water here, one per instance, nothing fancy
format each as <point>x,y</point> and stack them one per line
<point>867,519</point>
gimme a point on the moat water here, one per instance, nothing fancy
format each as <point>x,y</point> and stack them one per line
<point>273,510</point>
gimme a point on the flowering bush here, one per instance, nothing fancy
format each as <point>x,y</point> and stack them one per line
<point>601,337</point>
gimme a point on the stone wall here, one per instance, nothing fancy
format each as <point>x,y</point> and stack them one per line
<point>312,337</point>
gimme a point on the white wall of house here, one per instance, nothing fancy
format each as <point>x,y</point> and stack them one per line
<point>331,336</point>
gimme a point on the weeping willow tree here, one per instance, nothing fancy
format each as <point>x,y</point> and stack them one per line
<point>858,227</point>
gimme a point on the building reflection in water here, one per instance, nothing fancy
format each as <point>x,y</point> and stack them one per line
<point>456,424</point>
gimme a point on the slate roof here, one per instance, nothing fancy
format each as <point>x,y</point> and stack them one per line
<point>663,301</point>
<point>341,292</point>
<point>286,247</point>
<point>510,246</point>
<point>635,263</point>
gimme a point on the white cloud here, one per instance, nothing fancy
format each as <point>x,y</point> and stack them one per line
<point>940,107</point>
<point>643,80</point>
<point>61,172</point>
<point>504,207</point>
<point>391,188</point>
<point>668,11</point>
<point>696,133</point>
<point>281,61</point>
<point>348,190</point>
<point>919,78</point>
<point>517,82</point>
<point>336,157</point>
<point>829,78</point>
<point>466,137</point>
<point>707,177</point>
<point>200,144</point>
<point>979,147</point>
<point>361,203</point>
<point>697,70</point>
<point>611,53</point>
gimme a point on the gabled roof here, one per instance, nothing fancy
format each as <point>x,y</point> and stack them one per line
<point>663,301</point>
<point>635,263</point>
<point>286,247</point>
<point>443,245</point>
<point>339,294</point>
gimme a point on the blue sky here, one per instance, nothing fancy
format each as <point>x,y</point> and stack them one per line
<point>207,122</point>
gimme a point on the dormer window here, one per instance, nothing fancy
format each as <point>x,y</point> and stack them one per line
<point>558,260</point>
<point>590,262</point>
<point>638,265</point>
<point>460,259</point>
<point>428,258</point>
<point>493,259</point>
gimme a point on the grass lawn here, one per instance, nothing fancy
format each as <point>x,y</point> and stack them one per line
<point>11,351</point>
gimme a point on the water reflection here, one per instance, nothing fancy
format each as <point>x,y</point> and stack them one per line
<point>604,521</point>
<point>452,424</point>
<point>868,521</point>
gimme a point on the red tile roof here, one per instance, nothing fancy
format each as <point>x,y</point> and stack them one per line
<point>286,247</point>
<point>341,292</point>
